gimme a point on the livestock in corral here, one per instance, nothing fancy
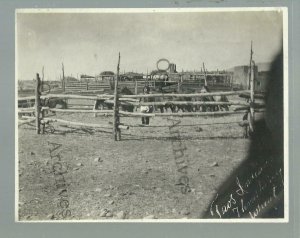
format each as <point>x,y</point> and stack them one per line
<point>184,108</point>
<point>124,106</point>
<point>221,107</point>
<point>170,104</point>
<point>57,103</point>
<point>24,103</point>
<point>203,108</point>
<point>103,104</point>
<point>54,103</point>
<point>167,105</point>
<point>216,98</point>
<point>47,102</point>
<point>159,107</point>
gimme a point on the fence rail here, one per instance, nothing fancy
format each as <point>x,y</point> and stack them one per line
<point>118,100</point>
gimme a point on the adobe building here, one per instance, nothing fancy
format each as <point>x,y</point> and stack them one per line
<point>240,79</point>
<point>261,81</point>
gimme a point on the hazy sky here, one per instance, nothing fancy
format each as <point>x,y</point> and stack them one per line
<point>88,43</point>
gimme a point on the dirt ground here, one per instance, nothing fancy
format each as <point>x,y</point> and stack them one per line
<point>134,178</point>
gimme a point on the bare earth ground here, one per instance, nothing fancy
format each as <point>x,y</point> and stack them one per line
<point>137,175</point>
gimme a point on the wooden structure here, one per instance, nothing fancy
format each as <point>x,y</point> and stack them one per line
<point>119,100</point>
<point>116,119</point>
<point>38,104</point>
<point>248,108</point>
<point>84,87</point>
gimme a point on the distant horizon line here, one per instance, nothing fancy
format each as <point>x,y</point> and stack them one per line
<point>132,71</point>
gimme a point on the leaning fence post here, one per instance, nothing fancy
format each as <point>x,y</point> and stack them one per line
<point>116,121</point>
<point>38,104</point>
<point>136,88</point>
<point>63,83</point>
<point>252,118</point>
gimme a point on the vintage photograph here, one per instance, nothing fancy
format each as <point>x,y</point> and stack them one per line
<point>151,115</point>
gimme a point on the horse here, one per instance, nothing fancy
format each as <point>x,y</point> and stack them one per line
<point>217,98</point>
<point>124,106</point>
<point>58,103</point>
<point>221,107</point>
<point>108,104</point>
<point>183,107</point>
<point>203,108</point>
<point>166,106</point>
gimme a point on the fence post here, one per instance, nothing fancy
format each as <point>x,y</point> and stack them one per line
<point>116,121</point>
<point>205,78</point>
<point>251,87</point>
<point>95,108</point>
<point>38,104</point>
<point>178,86</point>
<point>251,116</point>
<point>136,88</point>
<point>63,83</point>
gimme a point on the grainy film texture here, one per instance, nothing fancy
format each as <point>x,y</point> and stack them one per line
<point>149,114</point>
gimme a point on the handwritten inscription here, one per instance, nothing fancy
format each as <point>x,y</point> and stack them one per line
<point>251,195</point>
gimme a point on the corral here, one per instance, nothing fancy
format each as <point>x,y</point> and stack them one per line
<point>137,176</point>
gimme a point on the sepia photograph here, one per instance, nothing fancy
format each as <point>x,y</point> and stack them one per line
<point>151,115</point>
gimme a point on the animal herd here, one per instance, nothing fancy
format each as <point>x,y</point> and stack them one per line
<point>168,104</point>
<point>189,106</point>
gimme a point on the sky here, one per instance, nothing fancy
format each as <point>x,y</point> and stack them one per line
<point>89,43</point>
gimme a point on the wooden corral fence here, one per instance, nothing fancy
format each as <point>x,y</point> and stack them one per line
<point>191,85</point>
<point>136,86</point>
<point>86,86</point>
<point>246,108</point>
<point>105,85</point>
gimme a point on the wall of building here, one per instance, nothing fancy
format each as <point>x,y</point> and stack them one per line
<point>241,76</point>
<point>262,81</point>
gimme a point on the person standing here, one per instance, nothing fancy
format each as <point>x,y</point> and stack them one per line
<point>146,109</point>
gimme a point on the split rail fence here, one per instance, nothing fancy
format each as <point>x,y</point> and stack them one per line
<point>134,100</point>
<point>41,120</point>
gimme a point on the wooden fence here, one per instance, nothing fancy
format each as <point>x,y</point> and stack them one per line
<point>84,86</point>
<point>134,100</point>
<point>137,86</point>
